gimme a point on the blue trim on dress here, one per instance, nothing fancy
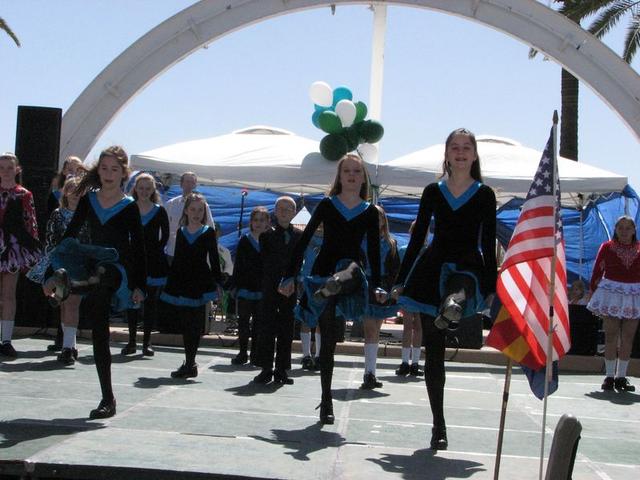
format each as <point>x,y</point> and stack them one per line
<point>380,312</point>
<point>146,218</point>
<point>105,214</point>
<point>413,306</point>
<point>248,294</point>
<point>189,302</point>
<point>254,243</point>
<point>474,304</point>
<point>351,307</point>
<point>348,213</point>
<point>156,281</point>
<point>192,237</point>
<point>456,203</point>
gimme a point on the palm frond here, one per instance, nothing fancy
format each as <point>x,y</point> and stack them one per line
<point>7,29</point>
<point>610,17</point>
<point>632,40</point>
<point>578,10</point>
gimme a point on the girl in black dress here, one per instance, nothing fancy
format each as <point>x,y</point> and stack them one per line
<point>155,223</point>
<point>246,283</point>
<point>347,217</point>
<point>113,221</point>
<point>463,246</point>
<point>194,278</point>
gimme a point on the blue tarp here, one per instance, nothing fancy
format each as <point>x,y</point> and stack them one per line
<point>598,218</point>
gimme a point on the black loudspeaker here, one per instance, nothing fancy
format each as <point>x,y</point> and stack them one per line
<point>635,351</point>
<point>467,335</point>
<point>584,331</point>
<point>38,150</point>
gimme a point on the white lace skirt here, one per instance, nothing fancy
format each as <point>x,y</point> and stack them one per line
<point>616,299</point>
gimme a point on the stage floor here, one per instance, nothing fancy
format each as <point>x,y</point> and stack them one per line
<point>220,425</point>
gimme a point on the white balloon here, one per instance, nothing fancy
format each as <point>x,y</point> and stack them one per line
<point>346,110</point>
<point>321,94</point>
<point>369,153</point>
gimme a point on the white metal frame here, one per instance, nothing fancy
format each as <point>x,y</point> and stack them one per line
<point>207,20</point>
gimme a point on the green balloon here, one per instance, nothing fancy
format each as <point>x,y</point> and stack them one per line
<point>329,122</point>
<point>352,136</point>
<point>361,112</point>
<point>370,131</point>
<point>333,147</point>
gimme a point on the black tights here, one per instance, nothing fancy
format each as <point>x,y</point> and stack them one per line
<point>99,304</point>
<point>192,319</point>
<point>434,374</point>
<point>331,329</point>
<point>247,318</point>
<point>150,311</point>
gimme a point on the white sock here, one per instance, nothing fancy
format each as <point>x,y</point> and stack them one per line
<point>370,357</point>
<point>415,355</point>
<point>305,339</point>
<point>318,343</point>
<point>622,368</point>
<point>7,330</point>
<point>69,336</point>
<point>610,367</point>
<point>406,353</point>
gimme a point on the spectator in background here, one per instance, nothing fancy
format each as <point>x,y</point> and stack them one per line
<point>175,207</point>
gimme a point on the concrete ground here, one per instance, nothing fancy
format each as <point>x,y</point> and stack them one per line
<point>220,425</point>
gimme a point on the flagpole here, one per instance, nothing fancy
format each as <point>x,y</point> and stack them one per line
<point>503,415</point>
<point>552,290</point>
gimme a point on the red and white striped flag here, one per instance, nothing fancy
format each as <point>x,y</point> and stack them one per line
<point>524,280</point>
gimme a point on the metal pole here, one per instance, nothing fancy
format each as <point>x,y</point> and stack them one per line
<point>503,415</point>
<point>244,194</point>
<point>552,288</point>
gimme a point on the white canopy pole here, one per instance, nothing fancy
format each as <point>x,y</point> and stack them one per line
<point>377,69</point>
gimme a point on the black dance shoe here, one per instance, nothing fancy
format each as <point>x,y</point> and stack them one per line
<point>147,350</point>
<point>129,349</point>
<point>414,370</point>
<point>439,438</point>
<point>326,412</point>
<point>622,385</point>
<point>67,356</point>
<point>316,363</point>
<point>185,371</point>
<point>54,347</point>
<point>61,287</point>
<point>331,288</point>
<point>264,376</point>
<point>403,370</point>
<point>240,359</point>
<point>370,382</point>
<point>7,350</point>
<point>106,409</point>
<point>308,363</point>
<point>608,384</point>
<point>281,377</point>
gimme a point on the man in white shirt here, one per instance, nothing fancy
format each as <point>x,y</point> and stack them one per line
<point>175,207</point>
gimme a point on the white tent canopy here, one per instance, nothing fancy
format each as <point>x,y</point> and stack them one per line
<point>257,157</point>
<point>506,165</point>
<point>270,158</point>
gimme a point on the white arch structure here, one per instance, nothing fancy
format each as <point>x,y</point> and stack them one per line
<point>207,20</point>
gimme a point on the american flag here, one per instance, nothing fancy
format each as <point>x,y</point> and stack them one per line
<point>524,280</point>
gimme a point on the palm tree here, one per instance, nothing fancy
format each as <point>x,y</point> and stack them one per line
<point>608,14</point>
<point>569,93</point>
<point>7,29</point>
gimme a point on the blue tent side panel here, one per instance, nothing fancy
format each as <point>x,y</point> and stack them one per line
<point>583,234</point>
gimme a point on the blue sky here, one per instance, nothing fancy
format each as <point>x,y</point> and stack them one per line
<point>441,72</point>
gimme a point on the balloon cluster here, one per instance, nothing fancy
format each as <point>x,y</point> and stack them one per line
<point>336,114</point>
